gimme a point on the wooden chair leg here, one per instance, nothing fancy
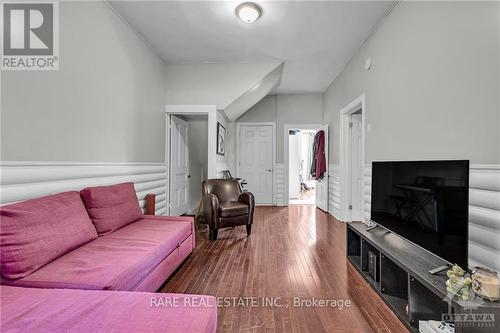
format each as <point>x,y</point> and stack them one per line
<point>213,234</point>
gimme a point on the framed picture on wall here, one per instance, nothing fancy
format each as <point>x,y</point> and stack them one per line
<point>221,137</point>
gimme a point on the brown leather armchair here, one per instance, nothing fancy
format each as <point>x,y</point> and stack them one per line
<point>225,205</point>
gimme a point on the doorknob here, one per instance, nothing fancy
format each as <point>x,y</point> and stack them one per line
<point>269,170</point>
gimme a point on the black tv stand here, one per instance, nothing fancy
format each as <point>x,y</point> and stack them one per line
<point>439,269</point>
<point>404,283</point>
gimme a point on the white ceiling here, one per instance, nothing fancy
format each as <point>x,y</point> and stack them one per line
<point>314,39</point>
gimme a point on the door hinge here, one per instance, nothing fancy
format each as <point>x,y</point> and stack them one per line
<point>350,207</point>
<point>350,124</point>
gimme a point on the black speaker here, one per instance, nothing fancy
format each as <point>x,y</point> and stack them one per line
<point>373,265</point>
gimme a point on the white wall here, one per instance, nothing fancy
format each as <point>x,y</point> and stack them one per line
<point>433,90</point>
<point>286,109</point>
<point>264,111</point>
<point>104,104</point>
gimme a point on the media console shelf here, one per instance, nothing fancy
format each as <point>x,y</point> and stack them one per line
<point>404,283</point>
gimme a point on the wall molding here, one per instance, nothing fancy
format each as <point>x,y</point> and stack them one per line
<point>279,185</point>
<point>484,213</point>
<point>31,179</point>
<point>334,191</point>
<point>367,192</point>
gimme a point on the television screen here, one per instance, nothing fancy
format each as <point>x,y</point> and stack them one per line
<point>426,202</point>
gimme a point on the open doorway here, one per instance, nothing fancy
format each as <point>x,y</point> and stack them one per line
<point>190,154</point>
<point>198,159</point>
<point>301,184</point>
<point>317,174</point>
<point>188,161</point>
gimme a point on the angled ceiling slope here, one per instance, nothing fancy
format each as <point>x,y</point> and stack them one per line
<point>233,88</point>
<point>245,101</point>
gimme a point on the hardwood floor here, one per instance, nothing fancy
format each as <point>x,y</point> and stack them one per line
<point>293,252</point>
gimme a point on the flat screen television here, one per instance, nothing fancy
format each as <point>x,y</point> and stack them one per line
<point>426,202</point>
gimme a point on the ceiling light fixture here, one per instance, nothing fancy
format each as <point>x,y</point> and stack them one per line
<point>248,12</point>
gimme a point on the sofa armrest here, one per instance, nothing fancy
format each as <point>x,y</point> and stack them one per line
<point>188,219</point>
<point>211,210</point>
<point>150,200</point>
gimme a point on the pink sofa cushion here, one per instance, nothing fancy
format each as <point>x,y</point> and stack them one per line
<point>57,310</point>
<point>111,207</point>
<point>117,261</point>
<point>37,231</point>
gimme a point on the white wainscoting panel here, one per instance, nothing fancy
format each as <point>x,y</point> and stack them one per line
<point>484,216</point>
<point>484,213</point>
<point>26,180</point>
<point>279,184</point>
<point>367,192</point>
<point>334,190</point>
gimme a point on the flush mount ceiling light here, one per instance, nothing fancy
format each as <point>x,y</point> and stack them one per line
<point>248,12</point>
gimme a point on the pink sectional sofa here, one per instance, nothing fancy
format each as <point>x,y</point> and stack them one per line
<point>64,310</point>
<point>95,239</point>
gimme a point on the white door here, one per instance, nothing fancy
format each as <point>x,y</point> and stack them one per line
<point>256,161</point>
<point>179,166</point>
<point>356,168</point>
<point>322,185</point>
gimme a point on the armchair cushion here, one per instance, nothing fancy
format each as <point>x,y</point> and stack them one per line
<point>232,208</point>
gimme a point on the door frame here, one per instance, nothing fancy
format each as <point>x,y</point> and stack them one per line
<point>191,110</point>
<point>286,129</point>
<point>238,142</point>
<point>345,151</point>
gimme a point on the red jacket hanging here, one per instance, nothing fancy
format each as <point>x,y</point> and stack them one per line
<point>318,167</point>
